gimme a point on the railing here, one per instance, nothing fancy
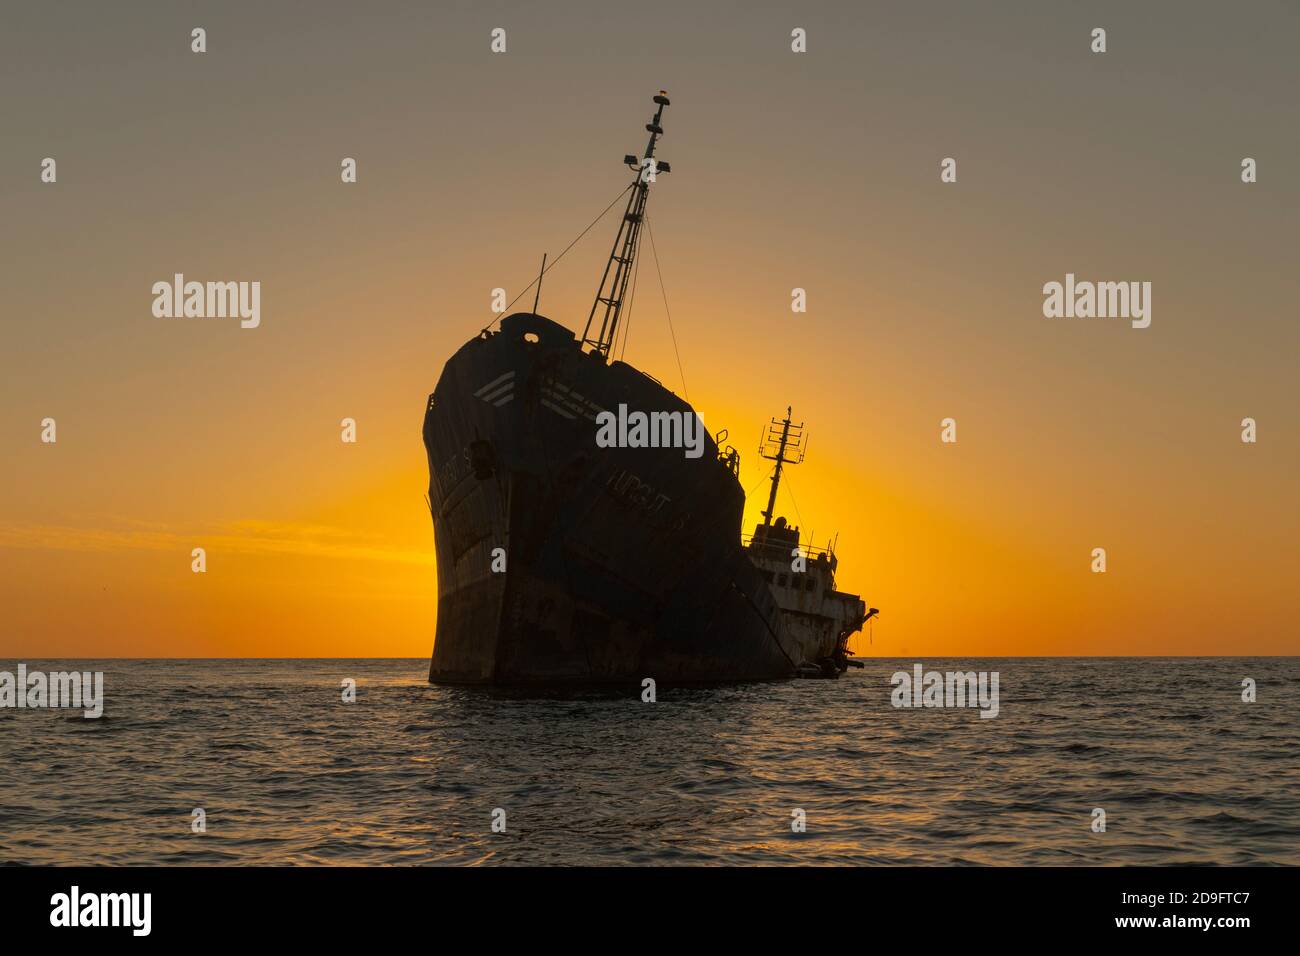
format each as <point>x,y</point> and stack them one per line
<point>730,459</point>
<point>807,550</point>
<point>728,456</point>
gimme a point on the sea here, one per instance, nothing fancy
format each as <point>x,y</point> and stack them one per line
<point>1089,762</point>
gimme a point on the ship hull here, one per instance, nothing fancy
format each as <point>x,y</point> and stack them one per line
<point>560,561</point>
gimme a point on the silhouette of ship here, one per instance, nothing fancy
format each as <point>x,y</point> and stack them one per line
<point>561,561</point>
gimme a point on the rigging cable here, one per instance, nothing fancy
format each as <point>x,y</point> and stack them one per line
<point>685,394</point>
<point>753,489</point>
<point>558,258</point>
<point>790,491</point>
<point>759,482</point>
<point>627,324</point>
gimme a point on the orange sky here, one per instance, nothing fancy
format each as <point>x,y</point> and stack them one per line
<point>818,171</point>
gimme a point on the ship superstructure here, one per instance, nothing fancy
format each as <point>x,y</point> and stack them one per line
<point>819,618</point>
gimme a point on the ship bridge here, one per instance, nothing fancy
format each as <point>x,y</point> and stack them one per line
<point>800,574</point>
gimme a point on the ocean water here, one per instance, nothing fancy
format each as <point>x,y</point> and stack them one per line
<point>411,774</point>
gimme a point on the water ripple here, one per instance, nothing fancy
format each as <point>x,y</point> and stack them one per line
<point>412,774</point>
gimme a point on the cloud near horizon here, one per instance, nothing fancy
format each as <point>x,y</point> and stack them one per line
<point>244,537</point>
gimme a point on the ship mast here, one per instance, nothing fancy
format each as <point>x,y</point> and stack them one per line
<point>613,284</point>
<point>774,447</point>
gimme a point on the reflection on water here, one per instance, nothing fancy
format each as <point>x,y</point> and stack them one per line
<point>288,773</point>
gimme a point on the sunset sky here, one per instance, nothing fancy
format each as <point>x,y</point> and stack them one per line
<point>817,170</point>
